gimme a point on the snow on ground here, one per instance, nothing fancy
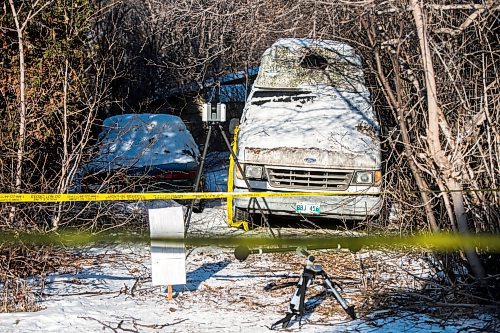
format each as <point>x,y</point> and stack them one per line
<point>112,290</point>
<point>222,295</point>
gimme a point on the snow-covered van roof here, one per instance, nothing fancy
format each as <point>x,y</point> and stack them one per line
<point>295,63</point>
<point>145,140</point>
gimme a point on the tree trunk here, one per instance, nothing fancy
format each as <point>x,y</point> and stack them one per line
<point>65,160</point>
<point>22,110</point>
<point>436,152</point>
<point>396,105</point>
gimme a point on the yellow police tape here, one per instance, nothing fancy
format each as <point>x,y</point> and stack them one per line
<point>73,197</point>
<point>84,197</point>
<point>230,187</point>
<point>442,242</point>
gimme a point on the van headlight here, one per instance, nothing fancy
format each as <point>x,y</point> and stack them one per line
<point>237,170</point>
<point>368,178</point>
<point>251,171</point>
<point>364,177</point>
<point>254,171</point>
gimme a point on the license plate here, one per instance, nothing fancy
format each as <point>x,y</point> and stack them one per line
<point>307,208</point>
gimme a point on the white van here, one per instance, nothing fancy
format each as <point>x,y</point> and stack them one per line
<point>308,126</point>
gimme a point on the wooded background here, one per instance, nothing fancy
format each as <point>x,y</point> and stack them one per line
<point>432,71</point>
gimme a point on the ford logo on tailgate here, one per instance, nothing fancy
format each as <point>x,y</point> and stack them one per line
<point>310,160</point>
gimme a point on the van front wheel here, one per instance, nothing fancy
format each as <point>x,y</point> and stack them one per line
<point>242,215</point>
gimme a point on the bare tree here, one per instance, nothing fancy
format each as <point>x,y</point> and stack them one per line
<point>20,27</point>
<point>435,117</point>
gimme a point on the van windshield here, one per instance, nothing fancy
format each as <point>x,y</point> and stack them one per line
<point>283,68</point>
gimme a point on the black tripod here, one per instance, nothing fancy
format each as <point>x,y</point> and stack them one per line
<point>296,307</point>
<point>215,125</point>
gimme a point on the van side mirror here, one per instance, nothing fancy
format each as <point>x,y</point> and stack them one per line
<point>233,123</point>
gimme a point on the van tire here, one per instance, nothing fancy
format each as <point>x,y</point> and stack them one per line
<point>199,206</point>
<point>241,215</point>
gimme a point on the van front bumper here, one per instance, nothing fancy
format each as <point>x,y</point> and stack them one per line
<point>352,207</point>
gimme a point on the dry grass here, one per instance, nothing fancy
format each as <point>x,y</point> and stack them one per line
<point>390,280</point>
<point>23,271</point>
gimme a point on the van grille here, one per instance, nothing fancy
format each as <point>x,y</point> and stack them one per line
<point>337,180</point>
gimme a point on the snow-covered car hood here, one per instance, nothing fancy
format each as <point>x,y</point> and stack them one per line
<point>142,141</point>
<point>325,128</point>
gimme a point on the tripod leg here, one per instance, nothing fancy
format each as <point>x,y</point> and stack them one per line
<point>298,299</point>
<point>330,287</point>
<point>284,322</point>
<point>247,183</point>
<point>187,219</point>
<point>296,307</point>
